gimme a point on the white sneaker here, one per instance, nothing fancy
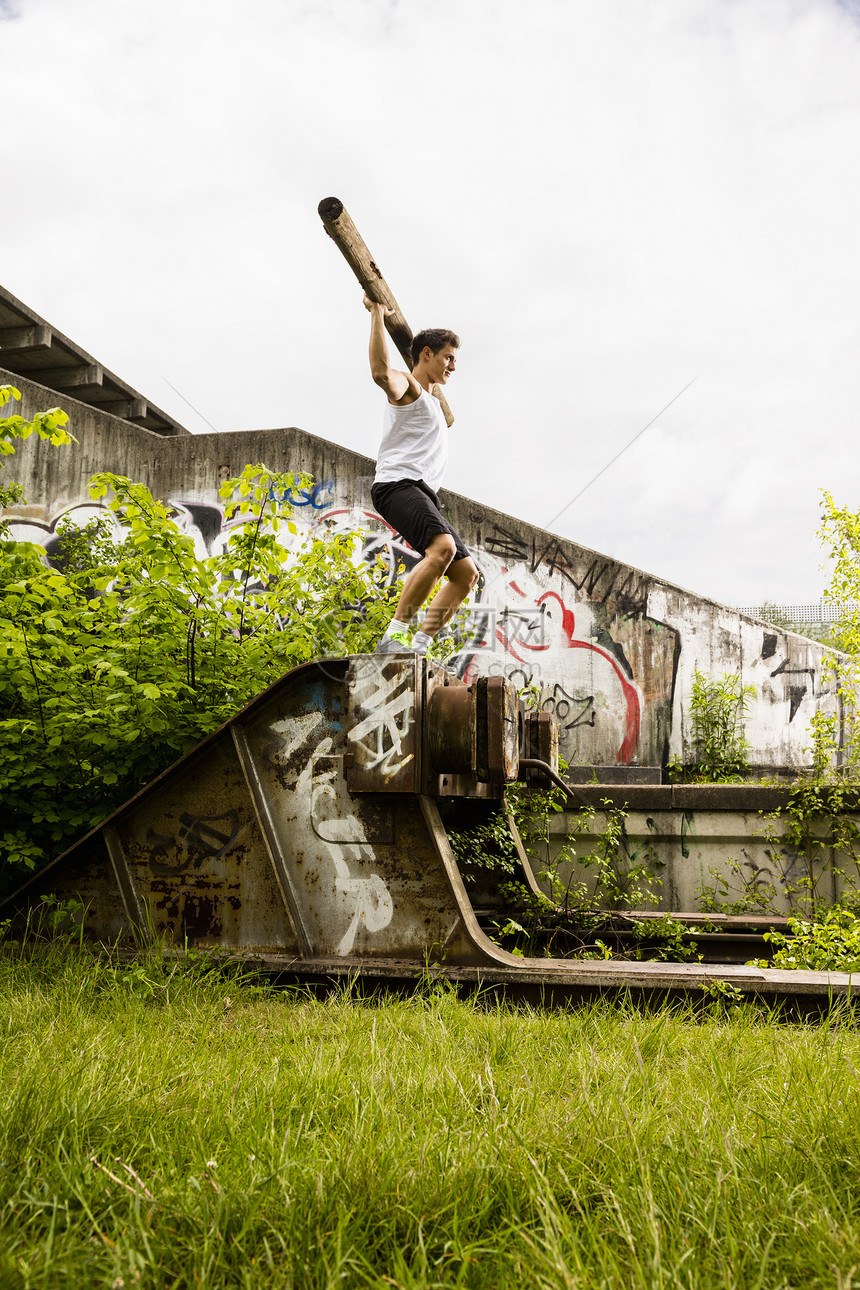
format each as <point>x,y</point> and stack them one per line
<point>396,644</point>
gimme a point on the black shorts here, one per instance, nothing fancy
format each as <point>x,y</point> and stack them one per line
<point>412,508</point>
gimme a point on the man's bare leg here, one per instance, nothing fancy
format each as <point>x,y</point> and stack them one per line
<point>461,578</point>
<point>438,562</point>
<point>416,588</point>
<point>423,578</point>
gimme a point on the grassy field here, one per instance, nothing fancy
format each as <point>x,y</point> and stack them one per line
<point>189,1130</point>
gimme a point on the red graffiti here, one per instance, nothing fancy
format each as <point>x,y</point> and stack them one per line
<point>633,720</point>
<point>633,717</point>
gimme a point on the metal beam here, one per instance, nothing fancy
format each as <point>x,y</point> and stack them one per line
<point>272,838</point>
<point>134,909</point>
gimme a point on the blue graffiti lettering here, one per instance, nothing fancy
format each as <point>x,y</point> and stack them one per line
<point>318,496</point>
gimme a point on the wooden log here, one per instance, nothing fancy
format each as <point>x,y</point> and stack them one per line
<point>348,240</point>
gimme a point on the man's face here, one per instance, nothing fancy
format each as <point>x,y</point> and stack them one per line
<point>441,365</point>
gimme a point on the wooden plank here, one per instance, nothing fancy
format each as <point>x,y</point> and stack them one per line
<point>348,240</point>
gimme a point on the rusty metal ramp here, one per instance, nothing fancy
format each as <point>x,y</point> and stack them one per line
<point>306,833</point>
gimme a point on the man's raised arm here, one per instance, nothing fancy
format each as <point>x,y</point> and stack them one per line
<point>401,387</point>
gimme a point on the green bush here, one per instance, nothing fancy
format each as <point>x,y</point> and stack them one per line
<point>830,943</point>
<point>118,661</point>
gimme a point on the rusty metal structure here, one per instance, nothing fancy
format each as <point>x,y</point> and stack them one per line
<point>310,833</point>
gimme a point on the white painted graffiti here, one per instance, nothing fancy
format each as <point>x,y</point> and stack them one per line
<point>370,898</point>
<point>326,815</point>
<point>367,898</point>
<point>385,707</point>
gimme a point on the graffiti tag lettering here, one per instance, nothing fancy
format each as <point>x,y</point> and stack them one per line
<point>385,707</point>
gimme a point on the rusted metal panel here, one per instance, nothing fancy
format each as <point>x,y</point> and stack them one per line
<point>290,744</point>
<point>196,855</point>
<point>384,723</point>
<point>86,876</point>
<point>540,742</point>
<point>271,836</point>
<point>498,729</point>
<point>361,866</point>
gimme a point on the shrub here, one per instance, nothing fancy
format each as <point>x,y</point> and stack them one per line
<point>830,943</point>
<point>720,750</point>
<point>118,661</point>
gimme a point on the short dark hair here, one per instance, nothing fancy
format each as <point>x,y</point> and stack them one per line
<point>434,338</point>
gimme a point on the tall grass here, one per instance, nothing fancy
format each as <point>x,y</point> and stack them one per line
<point>189,1130</point>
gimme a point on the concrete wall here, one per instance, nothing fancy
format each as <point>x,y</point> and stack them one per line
<point>700,837</point>
<point>611,648</point>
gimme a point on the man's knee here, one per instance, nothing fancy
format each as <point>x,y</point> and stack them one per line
<point>441,551</point>
<point>464,572</point>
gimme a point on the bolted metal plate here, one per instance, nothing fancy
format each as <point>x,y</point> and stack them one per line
<point>540,742</point>
<point>498,729</point>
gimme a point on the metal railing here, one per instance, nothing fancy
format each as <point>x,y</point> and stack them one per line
<point>824,612</point>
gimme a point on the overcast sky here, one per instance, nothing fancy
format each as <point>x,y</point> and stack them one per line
<point>606,198</point>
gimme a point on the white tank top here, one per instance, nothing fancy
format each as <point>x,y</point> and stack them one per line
<point>414,443</point>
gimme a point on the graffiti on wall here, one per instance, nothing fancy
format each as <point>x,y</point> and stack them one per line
<point>802,680</point>
<point>601,579</point>
<point>570,634</point>
<point>531,627</point>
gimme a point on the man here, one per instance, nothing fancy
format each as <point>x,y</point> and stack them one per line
<point>412,459</point>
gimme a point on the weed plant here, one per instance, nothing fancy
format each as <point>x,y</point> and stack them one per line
<point>611,876</point>
<point>720,751</point>
<point>169,1127</point>
<point>829,943</point>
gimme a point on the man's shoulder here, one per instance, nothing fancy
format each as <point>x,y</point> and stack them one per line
<point>413,394</point>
